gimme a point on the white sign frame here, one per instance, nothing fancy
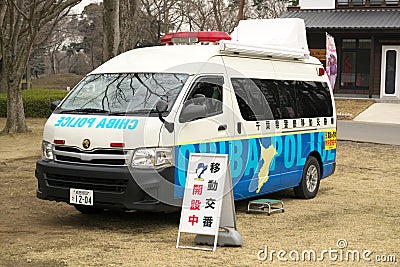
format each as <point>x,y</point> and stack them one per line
<point>211,173</point>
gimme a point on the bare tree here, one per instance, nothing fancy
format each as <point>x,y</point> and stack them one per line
<point>3,78</point>
<point>269,8</point>
<point>200,15</point>
<point>217,13</point>
<point>20,22</point>
<point>117,26</point>
<point>155,18</point>
<point>127,12</point>
<point>110,29</point>
<point>240,11</point>
<point>211,15</point>
<point>90,27</point>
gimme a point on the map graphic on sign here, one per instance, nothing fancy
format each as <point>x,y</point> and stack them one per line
<point>201,168</point>
<point>267,154</point>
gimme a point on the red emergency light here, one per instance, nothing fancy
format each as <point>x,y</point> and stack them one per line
<point>194,37</point>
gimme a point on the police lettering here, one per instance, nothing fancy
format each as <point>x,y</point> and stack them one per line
<point>89,122</point>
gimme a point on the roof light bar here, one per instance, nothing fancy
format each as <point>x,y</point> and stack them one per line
<point>194,37</point>
<point>264,50</point>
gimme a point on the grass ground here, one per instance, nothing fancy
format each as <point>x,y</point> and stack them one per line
<point>357,204</point>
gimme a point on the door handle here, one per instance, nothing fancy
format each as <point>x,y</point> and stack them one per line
<point>222,127</point>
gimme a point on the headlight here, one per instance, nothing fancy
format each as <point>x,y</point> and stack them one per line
<point>152,157</point>
<point>47,151</point>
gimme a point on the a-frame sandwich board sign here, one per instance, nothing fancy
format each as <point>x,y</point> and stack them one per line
<point>208,202</point>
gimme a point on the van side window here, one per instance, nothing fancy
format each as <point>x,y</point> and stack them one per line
<point>252,103</point>
<point>288,97</point>
<point>207,91</point>
<point>315,99</point>
<point>262,99</point>
<point>270,90</point>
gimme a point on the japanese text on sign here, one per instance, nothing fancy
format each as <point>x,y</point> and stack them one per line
<point>203,196</point>
<point>330,139</point>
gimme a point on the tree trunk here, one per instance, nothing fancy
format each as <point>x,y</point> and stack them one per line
<point>92,54</point>
<point>52,62</point>
<point>15,109</point>
<point>126,12</point>
<point>3,80</point>
<point>111,29</point>
<point>23,21</point>
<point>117,27</point>
<point>240,12</point>
<point>28,76</point>
<point>217,15</point>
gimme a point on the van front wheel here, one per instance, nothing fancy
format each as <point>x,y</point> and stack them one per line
<point>308,187</point>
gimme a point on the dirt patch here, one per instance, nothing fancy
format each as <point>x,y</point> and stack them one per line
<point>348,109</point>
<point>57,81</point>
<point>22,145</point>
<point>358,204</point>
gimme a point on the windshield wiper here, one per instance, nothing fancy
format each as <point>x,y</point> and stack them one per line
<point>129,112</point>
<point>84,110</point>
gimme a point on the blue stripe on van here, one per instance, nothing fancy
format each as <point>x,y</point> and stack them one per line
<point>276,161</point>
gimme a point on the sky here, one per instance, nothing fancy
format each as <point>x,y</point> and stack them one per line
<point>79,8</point>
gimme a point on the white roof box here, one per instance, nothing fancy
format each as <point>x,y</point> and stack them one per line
<point>280,37</point>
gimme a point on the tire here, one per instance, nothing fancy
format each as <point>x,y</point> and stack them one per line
<point>311,177</point>
<point>88,209</point>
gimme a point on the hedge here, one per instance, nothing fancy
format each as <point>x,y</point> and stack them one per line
<point>36,102</point>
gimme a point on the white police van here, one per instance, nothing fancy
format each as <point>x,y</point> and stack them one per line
<point>122,137</point>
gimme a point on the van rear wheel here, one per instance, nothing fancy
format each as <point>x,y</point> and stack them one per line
<point>309,185</point>
<point>88,209</point>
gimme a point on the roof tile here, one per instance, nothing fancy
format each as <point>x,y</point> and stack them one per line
<point>348,19</point>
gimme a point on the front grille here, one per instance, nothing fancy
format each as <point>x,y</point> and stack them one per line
<point>96,151</point>
<point>88,183</point>
<point>93,161</point>
<point>101,156</point>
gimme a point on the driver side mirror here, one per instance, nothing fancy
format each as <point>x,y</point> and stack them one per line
<point>161,106</point>
<point>54,105</point>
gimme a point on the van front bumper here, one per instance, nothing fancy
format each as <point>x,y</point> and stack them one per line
<point>113,187</point>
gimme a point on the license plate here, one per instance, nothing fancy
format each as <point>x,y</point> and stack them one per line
<point>81,196</point>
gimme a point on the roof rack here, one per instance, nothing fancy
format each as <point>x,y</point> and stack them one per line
<point>233,47</point>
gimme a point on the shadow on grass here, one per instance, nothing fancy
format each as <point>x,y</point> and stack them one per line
<point>143,222</point>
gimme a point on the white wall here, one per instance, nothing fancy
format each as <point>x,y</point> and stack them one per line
<point>317,4</point>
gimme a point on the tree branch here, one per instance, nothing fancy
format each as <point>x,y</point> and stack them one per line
<point>18,9</point>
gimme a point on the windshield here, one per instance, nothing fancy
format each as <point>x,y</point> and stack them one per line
<point>123,93</point>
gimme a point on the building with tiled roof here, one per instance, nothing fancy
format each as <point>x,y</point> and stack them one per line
<point>367,37</point>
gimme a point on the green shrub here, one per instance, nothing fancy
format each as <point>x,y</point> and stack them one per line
<point>36,102</point>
